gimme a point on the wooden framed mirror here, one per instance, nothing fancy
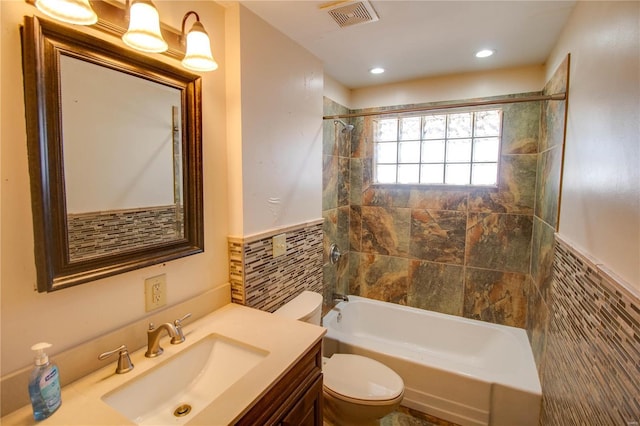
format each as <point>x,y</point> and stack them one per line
<point>115,156</point>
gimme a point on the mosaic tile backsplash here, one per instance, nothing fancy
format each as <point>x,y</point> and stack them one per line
<point>262,281</point>
<point>100,233</point>
<point>591,374</point>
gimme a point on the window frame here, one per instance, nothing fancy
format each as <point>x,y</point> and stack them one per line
<point>447,112</point>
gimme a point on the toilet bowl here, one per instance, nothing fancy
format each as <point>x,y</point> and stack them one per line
<point>357,390</point>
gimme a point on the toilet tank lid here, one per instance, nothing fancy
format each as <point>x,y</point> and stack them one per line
<point>301,306</point>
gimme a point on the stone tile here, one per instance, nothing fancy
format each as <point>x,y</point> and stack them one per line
<point>516,188</point>
<point>499,241</point>
<point>342,229</point>
<point>329,232</point>
<point>386,197</point>
<point>542,247</point>
<point>521,129</point>
<point>344,183</point>
<point>438,199</point>
<point>330,178</point>
<point>383,278</point>
<point>552,125</point>
<point>554,112</point>
<point>362,140</point>
<point>354,268</point>
<point>404,416</point>
<point>559,81</point>
<point>548,185</point>
<point>537,323</point>
<point>495,296</point>
<point>385,230</point>
<point>329,282</point>
<point>436,287</point>
<point>438,235</point>
<point>355,182</point>
<point>343,139</point>
<point>367,172</point>
<point>330,107</point>
<point>355,228</point>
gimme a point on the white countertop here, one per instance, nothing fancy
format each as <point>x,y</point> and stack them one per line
<point>286,341</point>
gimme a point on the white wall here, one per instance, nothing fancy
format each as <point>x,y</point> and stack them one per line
<point>71,316</point>
<point>279,137</point>
<point>451,87</point>
<point>118,138</point>
<point>336,91</point>
<point>600,199</point>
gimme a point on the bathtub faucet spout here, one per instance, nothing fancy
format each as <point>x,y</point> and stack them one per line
<point>340,297</point>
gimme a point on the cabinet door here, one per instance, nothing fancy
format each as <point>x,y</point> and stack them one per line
<point>308,410</point>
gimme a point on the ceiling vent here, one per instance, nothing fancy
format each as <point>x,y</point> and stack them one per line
<point>352,13</point>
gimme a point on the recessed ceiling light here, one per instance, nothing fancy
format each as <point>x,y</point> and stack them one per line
<point>376,70</point>
<point>484,53</point>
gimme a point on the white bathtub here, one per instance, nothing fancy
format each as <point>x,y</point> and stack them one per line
<point>465,371</point>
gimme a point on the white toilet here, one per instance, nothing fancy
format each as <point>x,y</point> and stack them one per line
<point>357,390</point>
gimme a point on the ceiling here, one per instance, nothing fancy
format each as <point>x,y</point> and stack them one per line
<point>418,39</point>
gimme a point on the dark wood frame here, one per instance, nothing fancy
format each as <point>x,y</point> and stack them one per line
<point>43,42</point>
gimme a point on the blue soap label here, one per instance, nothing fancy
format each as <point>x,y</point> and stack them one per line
<point>50,389</point>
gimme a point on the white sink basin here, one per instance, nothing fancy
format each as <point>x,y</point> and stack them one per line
<point>186,382</point>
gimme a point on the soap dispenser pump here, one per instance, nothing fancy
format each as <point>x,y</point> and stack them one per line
<point>44,384</point>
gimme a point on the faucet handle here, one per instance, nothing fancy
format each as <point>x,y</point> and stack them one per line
<point>124,361</point>
<point>180,334</point>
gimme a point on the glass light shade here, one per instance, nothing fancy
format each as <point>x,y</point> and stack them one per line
<point>144,28</point>
<point>198,56</point>
<point>77,12</point>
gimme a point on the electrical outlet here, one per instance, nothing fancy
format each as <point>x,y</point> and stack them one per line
<point>155,292</point>
<point>279,245</point>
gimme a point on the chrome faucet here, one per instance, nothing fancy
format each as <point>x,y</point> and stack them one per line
<point>340,297</point>
<point>153,338</point>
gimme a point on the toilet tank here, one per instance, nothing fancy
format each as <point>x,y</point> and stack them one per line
<point>307,307</point>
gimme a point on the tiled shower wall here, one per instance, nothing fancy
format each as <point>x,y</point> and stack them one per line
<point>262,281</point>
<point>545,219</point>
<point>336,151</point>
<point>458,251</point>
<point>583,324</point>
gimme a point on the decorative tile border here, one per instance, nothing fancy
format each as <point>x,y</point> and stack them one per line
<point>261,281</point>
<point>592,367</point>
<point>98,233</point>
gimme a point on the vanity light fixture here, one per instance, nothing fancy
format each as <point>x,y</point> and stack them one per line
<point>77,12</point>
<point>198,56</point>
<point>144,28</point>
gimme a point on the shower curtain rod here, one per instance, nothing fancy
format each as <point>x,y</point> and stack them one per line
<point>554,97</point>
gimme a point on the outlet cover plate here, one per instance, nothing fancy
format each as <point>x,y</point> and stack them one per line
<point>155,292</point>
<point>279,245</point>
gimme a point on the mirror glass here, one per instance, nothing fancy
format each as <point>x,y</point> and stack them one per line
<point>122,157</point>
<point>114,141</point>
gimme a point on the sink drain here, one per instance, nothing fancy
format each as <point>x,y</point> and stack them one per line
<point>182,410</point>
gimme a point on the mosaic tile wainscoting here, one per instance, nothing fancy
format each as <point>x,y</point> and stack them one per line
<point>591,374</point>
<point>99,233</point>
<point>262,281</point>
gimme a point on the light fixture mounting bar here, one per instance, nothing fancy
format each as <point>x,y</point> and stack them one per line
<point>112,19</point>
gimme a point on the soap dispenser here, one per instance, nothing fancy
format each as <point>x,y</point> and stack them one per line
<point>44,384</point>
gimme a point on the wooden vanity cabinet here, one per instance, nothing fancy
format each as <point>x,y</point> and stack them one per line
<point>295,400</point>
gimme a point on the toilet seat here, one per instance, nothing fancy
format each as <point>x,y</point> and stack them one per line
<point>361,380</point>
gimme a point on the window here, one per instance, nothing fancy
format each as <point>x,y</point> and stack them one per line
<point>460,148</point>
